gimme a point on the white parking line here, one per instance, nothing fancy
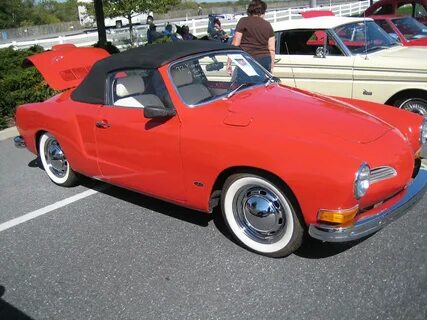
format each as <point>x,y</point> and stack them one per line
<point>37,213</point>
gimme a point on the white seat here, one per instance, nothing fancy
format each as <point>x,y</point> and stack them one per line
<point>192,93</point>
<point>130,90</point>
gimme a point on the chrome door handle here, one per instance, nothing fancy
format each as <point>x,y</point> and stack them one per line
<point>103,124</point>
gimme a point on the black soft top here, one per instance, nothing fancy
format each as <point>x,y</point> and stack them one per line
<point>92,88</point>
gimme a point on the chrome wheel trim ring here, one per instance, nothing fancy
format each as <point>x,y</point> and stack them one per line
<point>415,105</point>
<point>259,213</point>
<point>281,239</point>
<point>56,162</point>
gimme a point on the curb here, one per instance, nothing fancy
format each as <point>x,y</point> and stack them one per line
<point>8,133</point>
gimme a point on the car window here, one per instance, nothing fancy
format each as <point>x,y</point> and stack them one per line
<point>138,88</point>
<point>420,11</point>
<point>404,9</point>
<point>307,42</point>
<point>410,28</point>
<point>364,37</point>
<point>213,75</point>
<point>385,25</point>
<point>385,9</point>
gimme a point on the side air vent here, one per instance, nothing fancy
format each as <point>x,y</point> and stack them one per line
<point>382,173</point>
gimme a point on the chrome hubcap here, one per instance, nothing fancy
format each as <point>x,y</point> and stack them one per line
<point>55,158</point>
<point>260,214</point>
<point>415,105</point>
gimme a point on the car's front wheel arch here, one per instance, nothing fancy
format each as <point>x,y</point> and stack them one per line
<point>222,177</point>
<point>414,100</point>
<point>38,136</point>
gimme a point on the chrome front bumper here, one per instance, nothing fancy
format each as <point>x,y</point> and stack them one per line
<point>19,142</point>
<point>369,225</point>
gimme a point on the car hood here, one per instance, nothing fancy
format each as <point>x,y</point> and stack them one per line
<point>300,113</point>
<point>401,57</point>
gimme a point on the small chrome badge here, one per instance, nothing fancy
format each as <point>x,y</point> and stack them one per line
<point>367,93</point>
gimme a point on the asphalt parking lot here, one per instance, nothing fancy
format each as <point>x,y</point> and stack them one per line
<point>101,252</point>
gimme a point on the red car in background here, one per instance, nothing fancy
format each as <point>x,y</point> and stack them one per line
<point>406,29</point>
<point>415,8</point>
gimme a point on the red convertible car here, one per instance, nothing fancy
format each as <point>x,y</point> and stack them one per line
<point>406,29</point>
<point>201,124</point>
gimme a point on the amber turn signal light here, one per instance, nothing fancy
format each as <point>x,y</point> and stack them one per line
<point>338,216</point>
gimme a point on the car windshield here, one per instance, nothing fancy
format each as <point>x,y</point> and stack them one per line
<point>211,76</point>
<point>364,37</point>
<point>410,28</point>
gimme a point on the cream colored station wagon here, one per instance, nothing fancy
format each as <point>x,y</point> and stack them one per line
<point>351,57</point>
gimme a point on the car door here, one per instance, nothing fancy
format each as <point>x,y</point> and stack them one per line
<point>133,151</point>
<point>328,73</point>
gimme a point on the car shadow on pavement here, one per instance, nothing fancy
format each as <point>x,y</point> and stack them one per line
<point>316,249</point>
<point>36,163</point>
<point>7,311</point>
<point>198,218</point>
<point>163,207</point>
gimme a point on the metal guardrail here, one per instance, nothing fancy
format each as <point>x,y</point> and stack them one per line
<point>198,27</point>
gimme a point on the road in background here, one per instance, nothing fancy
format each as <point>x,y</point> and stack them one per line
<point>119,255</point>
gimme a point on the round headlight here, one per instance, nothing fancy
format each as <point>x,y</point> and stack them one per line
<point>423,133</point>
<point>361,182</point>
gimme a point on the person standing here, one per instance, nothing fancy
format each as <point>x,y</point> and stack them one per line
<point>255,35</point>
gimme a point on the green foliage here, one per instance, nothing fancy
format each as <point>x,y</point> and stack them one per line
<point>20,13</point>
<point>164,39</point>
<point>19,85</point>
<point>114,8</point>
<point>13,12</point>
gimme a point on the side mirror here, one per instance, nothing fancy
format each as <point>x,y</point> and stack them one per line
<point>152,112</point>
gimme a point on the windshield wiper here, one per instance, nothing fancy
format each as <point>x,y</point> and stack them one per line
<point>271,80</point>
<point>243,85</point>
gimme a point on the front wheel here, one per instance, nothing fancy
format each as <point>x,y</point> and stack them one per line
<point>55,163</point>
<point>260,216</point>
<point>416,105</point>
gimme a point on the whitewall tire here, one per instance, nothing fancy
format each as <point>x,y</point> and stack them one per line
<point>55,163</point>
<point>260,216</point>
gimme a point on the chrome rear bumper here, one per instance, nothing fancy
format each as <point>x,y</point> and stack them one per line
<point>369,225</point>
<point>19,142</point>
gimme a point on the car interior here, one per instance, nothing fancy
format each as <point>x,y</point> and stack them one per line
<point>306,42</point>
<point>191,91</point>
<point>139,88</point>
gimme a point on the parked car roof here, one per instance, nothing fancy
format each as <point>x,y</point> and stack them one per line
<point>324,22</point>
<point>91,90</point>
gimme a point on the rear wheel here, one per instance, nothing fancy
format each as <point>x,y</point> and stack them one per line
<point>261,216</point>
<point>413,104</point>
<point>55,163</point>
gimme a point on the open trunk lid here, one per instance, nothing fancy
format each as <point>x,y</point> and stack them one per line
<point>66,65</point>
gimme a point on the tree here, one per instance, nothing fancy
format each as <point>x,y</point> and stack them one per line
<point>20,13</point>
<point>14,12</point>
<point>131,8</point>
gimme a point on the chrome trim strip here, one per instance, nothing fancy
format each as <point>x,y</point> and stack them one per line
<point>382,173</point>
<point>362,228</point>
<point>19,142</point>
